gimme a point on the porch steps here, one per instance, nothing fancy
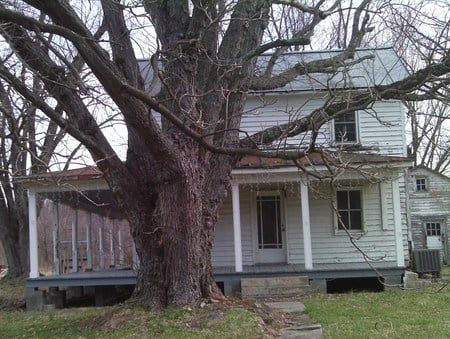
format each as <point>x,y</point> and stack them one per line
<point>274,287</point>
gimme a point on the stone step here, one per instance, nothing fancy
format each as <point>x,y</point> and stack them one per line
<point>271,287</point>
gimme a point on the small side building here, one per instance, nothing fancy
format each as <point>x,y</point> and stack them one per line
<point>429,211</point>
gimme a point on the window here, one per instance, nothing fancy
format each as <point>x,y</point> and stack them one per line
<point>421,184</point>
<point>269,222</point>
<point>345,128</point>
<point>349,209</point>
<point>433,229</point>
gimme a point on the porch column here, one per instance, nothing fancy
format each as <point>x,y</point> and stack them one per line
<point>89,264</point>
<point>306,225</point>
<point>56,259</point>
<point>101,248</point>
<point>112,253</point>
<point>74,240</point>
<point>236,227</point>
<point>120,240</point>
<point>396,207</point>
<point>135,256</point>
<point>32,225</point>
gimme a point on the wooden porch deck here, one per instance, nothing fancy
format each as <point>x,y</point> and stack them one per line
<point>117,277</point>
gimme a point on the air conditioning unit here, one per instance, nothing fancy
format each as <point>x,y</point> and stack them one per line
<point>427,261</point>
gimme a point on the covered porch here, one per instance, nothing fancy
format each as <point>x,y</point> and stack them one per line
<point>109,258</point>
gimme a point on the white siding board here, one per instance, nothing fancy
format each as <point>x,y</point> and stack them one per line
<point>381,129</point>
<point>328,245</point>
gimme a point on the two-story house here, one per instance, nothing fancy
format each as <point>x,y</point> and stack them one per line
<point>336,214</point>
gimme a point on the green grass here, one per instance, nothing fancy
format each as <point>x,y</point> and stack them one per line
<point>422,313</point>
<point>125,322</point>
<point>445,271</point>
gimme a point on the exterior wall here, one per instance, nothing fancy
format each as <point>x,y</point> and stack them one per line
<point>381,129</point>
<point>329,245</point>
<point>430,205</point>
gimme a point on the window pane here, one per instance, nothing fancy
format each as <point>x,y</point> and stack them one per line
<point>345,127</point>
<point>350,209</point>
<point>355,200</point>
<point>355,220</point>
<point>344,220</point>
<point>342,200</point>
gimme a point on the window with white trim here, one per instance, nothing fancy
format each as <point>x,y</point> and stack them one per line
<point>421,184</point>
<point>349,205</point>
<point>433,228</point>
<point>345,128</point>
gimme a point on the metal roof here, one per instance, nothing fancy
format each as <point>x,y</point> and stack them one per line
<point>369,67</point>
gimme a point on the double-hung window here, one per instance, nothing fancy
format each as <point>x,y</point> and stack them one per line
<point>345,128</point>
<point>349,207</point>
<point>421,184</point>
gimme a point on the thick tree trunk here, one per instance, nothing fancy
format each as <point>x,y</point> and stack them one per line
<point>174,243</point>
<point>14,240</point>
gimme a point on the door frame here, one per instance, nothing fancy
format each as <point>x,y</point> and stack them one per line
<point>443,236</point>
<point>257,253</point>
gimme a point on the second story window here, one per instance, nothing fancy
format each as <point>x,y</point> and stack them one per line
<point>421,184</point>
<point>345,129</point>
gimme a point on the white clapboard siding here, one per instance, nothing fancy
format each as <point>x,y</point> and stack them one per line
<point>432,205</point>
<point>328,245</point>
<point>381,128</point>
<point>223,248</point>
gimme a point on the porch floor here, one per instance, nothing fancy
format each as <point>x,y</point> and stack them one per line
<point>116,277</point>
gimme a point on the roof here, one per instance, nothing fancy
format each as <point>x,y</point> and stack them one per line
<point>379,66</point>
<point>317,159</point>
<point>430,170</point>
<point>250,161</point>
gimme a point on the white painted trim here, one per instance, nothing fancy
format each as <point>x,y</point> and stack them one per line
<point>112,252</point>
<point>32,225</point>
<point>396,207</point>
<point>89,264</point>
<point>384,189</point>
<point>48,187</point>
<point>120,240</point>
<point>237,228</point>
<point>56,258</point>
<point>306,225</point>
<point>101,247</point>
<point>135,256</point>
<point>74,240</point>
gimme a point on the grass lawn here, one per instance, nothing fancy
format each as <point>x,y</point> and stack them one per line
<point>421,313</point>
<point>237,320</point>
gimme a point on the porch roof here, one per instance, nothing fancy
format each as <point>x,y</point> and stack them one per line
<point>85,188</point>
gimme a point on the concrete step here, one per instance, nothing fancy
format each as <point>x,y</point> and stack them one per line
<point>274,287</point>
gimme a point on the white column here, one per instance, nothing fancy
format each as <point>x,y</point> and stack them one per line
<point>89,264</point>
<point>236,227</point>
<point>135,256</point>
<point>306,225</point>
<point>396,207</point>
<point>56,259</point>
<point>112,253</point>
<point>120,240</point>
<point>101,248</point>
<point>74,240</point>
<point>32,225</point>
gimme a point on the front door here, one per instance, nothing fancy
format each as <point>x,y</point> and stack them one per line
<point>436,238</point>
<point>271,246</point>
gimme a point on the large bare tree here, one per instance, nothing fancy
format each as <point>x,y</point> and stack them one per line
<point>28,142</point>
<point>176,175</point>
